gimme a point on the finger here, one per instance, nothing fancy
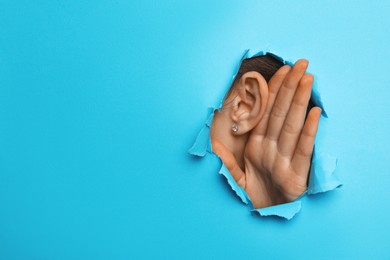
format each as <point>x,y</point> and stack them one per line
<point>229,161</point>
<point>293,124</point>
<point>284,98</point>
<point>302,155</point>
<point>274,85</point>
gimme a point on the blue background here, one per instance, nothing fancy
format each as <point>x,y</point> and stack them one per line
<point>100,101</point>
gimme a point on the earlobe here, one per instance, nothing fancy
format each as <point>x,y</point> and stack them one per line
<point>250,103</point>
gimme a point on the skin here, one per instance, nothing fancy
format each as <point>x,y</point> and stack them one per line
<point>270,154</point>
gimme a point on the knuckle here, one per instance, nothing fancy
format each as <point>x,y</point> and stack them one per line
<point>289,128</point>
<point>300,101</point>
<point>290,84</point>
<point>277,111</point>
<point>303,151</point>
<point>309,134</point>
<point>307,79</point>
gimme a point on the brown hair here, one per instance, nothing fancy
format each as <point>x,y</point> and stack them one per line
<point>267,65</point>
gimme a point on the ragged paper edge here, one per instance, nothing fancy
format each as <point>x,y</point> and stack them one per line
<point>321,179</point>
<point>233,184</point>
<point>286,210</point>
<point>202,143</point>
<point>322,176</point>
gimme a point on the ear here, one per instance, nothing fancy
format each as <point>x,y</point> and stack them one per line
<point>250,103</point>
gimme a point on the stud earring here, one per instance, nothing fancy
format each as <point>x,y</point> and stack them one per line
<point>234,128</point>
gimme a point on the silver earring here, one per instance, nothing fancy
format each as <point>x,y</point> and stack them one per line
<point>234,128</point>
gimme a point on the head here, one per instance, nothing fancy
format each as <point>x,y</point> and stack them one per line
<point>245,103</point>
<point>248,95</point>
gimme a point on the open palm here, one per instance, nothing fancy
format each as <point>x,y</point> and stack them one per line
<point>279,149</point>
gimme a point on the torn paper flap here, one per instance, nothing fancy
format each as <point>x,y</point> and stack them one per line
<point>322,174</point>
<point>287,210</point>
<point>323,166</point>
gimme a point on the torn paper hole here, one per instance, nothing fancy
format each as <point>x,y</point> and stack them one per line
<point>321,178</point>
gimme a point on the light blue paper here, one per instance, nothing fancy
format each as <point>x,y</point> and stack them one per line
<point>202,143</point>
<point>321,179</point>
<point>287,210</point>
<point>233,184</point>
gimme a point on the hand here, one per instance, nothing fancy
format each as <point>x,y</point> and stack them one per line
<point>279,149</point>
